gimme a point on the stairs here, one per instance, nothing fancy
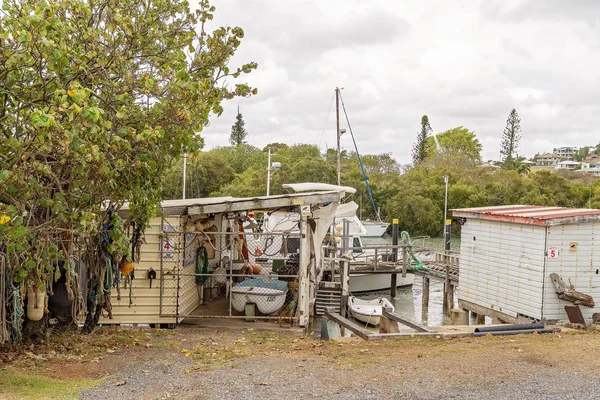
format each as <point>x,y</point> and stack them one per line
<point>328,295</point>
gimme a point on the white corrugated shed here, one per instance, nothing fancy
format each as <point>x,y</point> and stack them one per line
<point>508,253</point>
<point>577,263</point>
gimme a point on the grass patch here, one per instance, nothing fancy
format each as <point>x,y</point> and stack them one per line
<point>206,359</point>
<point>25,385</point>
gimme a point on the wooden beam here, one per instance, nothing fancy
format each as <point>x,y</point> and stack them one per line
<point>264,203</point>
<point>346,323</point>
<point>480,310</point>
<point>569,294</point>
<point>398,318</point>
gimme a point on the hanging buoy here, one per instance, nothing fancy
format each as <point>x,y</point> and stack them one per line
<point>36,300</point>
<point>125,267</point>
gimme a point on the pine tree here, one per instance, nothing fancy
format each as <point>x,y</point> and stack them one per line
<point>420,147</point>
<point>238,132</point>
<point>510,139</point>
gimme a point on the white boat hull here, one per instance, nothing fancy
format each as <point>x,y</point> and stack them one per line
<point>368,311</point>
<point>377,282</point>
<point>268,301</point>
<point>374,229</point>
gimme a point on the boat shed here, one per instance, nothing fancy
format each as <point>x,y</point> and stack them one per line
<point>522,262</point>
<point>167,286</point>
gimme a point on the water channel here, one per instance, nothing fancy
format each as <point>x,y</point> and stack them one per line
<point>408,300</point>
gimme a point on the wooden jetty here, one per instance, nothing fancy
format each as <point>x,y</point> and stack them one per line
<point>443,266</point>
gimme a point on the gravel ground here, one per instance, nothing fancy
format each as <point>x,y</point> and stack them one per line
<point>300,377</point>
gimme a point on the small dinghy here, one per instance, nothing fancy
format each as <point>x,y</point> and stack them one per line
<point>368,311</point>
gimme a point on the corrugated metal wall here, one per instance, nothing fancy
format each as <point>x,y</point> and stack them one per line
<point>502,266</point>
<point>577,263</point>
<point>146,306</point>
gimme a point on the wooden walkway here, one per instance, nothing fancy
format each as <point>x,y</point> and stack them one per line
<point>443,265</point>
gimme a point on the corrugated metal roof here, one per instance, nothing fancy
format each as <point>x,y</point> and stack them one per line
<point>531,215</point>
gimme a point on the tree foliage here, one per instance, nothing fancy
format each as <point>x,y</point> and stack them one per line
<point>238,131</point>
<point>457,141</point>
<point>582,153</point>
<point>510,139</point>
<point>99,99</point>
<point>420,147</point>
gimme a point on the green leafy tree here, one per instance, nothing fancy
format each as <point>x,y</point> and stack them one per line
<point>99,99</point>
<point>238,132</point>
<point>456,142</point>
<point>582,153</point>
<point>206,173</point>
<point>420,147</point>
<point>510,139</point>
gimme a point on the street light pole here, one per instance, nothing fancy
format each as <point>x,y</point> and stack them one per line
<point>269,172</point>
<point>184,173</point>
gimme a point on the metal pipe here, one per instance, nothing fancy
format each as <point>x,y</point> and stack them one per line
<point>514,332</point>
<point>337,134</point>
<point>513,327</point>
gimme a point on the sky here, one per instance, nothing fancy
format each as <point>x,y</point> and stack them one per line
<point>462,63</point>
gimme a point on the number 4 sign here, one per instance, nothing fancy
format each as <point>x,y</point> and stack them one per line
<point>553,252</point>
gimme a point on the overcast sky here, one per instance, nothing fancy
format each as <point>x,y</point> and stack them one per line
<point>460,62</point>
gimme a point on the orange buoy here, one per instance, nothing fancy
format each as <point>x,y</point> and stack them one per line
<point>126,266</point>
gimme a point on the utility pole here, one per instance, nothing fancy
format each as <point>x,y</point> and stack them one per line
<point>269,173</point>
<point>184,173</point>
<point>337,133</point>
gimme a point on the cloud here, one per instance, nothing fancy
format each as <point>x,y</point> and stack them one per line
<point>460,62</point>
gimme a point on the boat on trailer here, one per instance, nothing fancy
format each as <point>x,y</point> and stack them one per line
<point>368,311</point>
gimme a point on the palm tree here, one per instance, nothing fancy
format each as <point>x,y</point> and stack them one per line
<point>520,166</point>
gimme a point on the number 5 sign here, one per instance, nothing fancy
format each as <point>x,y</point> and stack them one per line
<point>553,252</point>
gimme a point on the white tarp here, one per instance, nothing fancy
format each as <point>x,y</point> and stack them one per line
<point>315,186</point>
<point>346,210</point>
<point>323,218</point>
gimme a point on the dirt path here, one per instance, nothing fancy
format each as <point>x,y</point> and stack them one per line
<point>196,363</point>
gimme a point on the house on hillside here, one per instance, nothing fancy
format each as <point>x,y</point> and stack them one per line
<point>591,165</point>
<point>567,165</point>
<point>549,160</point>
<point>567,152</point>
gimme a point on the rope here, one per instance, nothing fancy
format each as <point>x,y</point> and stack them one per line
<point>15,311</point>
<point>4,333</point>
<point>406,238</point>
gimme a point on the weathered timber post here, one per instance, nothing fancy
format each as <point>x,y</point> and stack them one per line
<point>404,259</point>
<point>387,325</point>
<point>479,319</point>
<point>303,312</point>
<point>450,297</point>
<point>446,285</point>
<point>345,274</point>
<point>459,316</point>
<point>425,306</point>
<point>447,231</point>
<point>393,282</point>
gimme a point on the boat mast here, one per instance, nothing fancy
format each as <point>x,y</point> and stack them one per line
<point>337,133</point>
